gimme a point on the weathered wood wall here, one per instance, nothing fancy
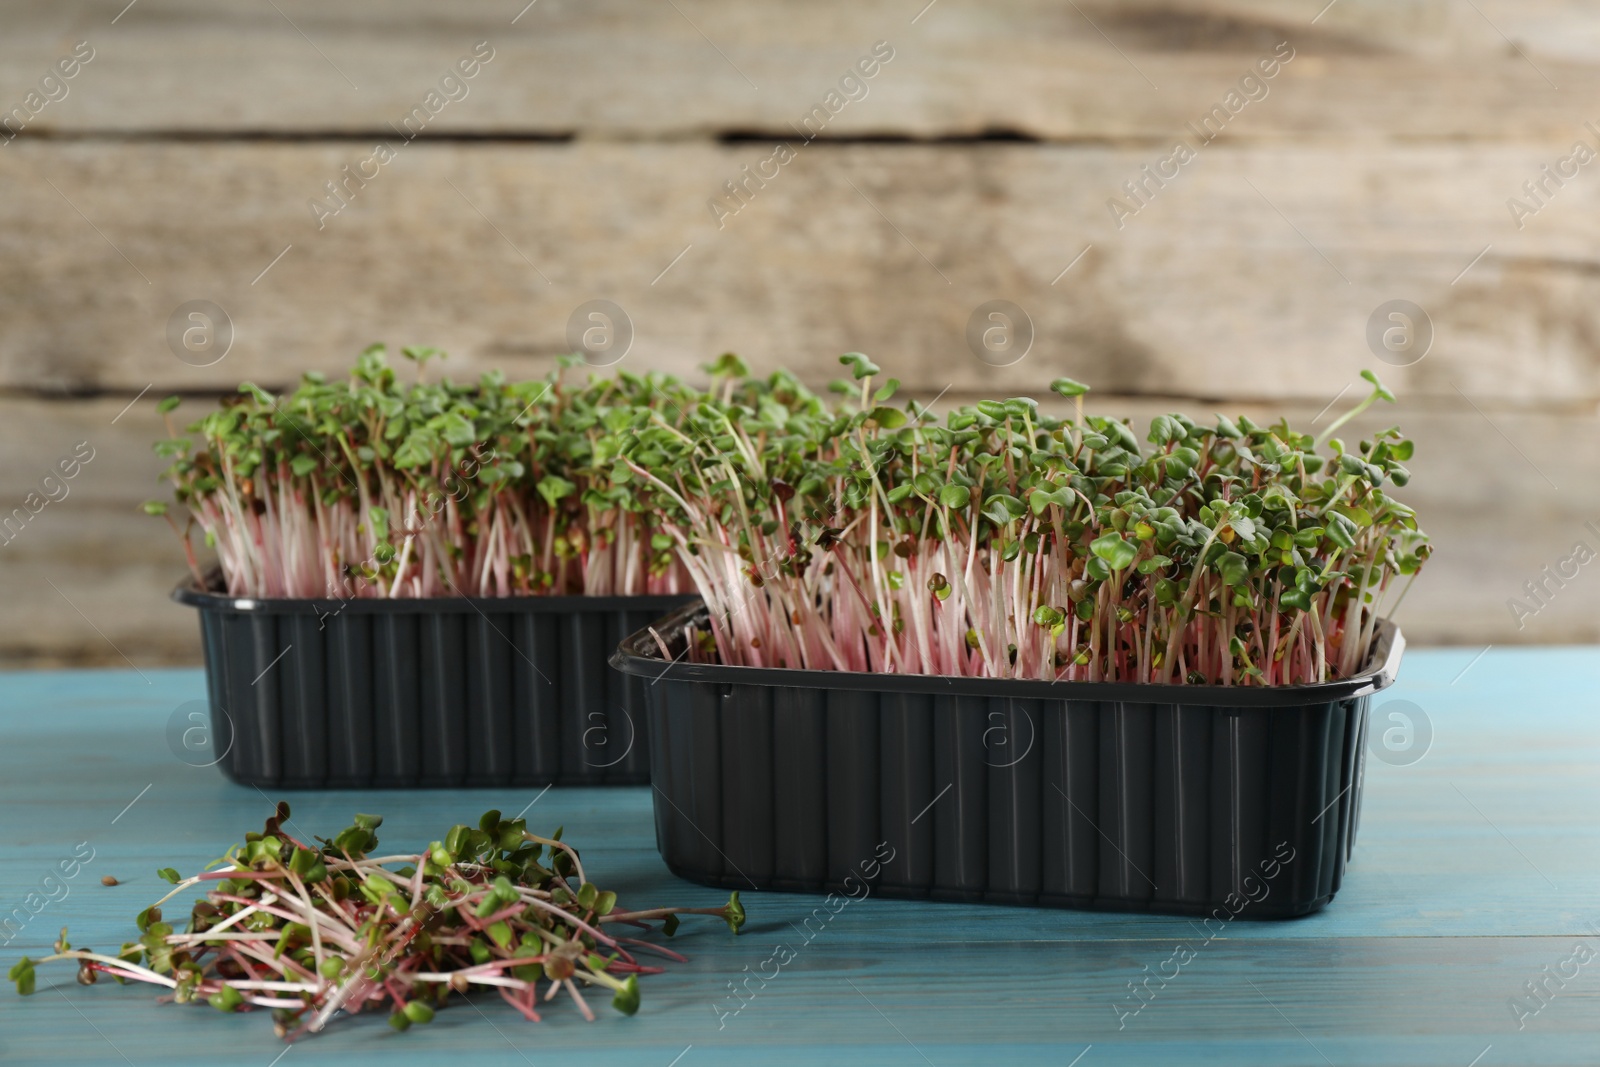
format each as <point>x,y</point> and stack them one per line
<point>180,163</point>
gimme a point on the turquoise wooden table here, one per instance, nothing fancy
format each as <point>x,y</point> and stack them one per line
<point>1476,878</point>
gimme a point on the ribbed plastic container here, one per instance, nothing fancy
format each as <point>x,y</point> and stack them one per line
<point>1181,799</point>
<point>424,692</point>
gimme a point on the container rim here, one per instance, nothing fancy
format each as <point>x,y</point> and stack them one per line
<point>639,655</point>
<point>191,593</point>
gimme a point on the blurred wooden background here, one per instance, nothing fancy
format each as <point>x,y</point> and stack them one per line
<point>179,164</point>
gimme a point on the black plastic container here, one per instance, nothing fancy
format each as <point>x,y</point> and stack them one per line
<point>424,692</point>
<point>1187,799</point>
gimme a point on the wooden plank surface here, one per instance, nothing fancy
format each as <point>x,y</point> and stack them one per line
<point>1252,275</point>
<point>1475,868</point>
<point>88,576</point>
<point>700,67</point>
<point>183,158</point>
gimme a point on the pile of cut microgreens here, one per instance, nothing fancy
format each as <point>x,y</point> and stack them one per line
<point>1008,543</point>
<point>370,488</point>
<point>308,929</point>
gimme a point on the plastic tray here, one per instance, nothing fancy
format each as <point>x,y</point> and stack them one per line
<point>424,692</point>
<point>1214,800</point>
